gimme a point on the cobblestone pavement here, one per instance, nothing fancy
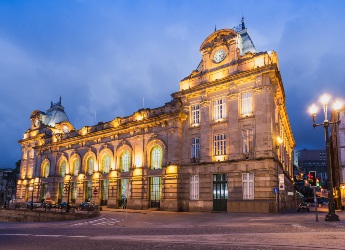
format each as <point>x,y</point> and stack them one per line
<point>121,229</point>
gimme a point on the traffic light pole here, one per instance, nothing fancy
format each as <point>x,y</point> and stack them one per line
<point>315,204</point>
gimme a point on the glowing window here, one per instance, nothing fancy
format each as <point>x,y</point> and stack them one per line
<point>76,167</point>
<point>45,169</point>
<point>247,141</point>
<point>219,144</point>
<point>90,165</point>
<point>196,114</point>
<point>125,161</point>
<point>219,107</point>
<point>106,163</point>
<point>246,103</point>
<point>63,168</point>
<point>156,157</point>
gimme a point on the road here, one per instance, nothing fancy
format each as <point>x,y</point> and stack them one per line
<point>116,229</point>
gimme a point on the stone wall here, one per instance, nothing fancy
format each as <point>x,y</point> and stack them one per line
<point>11,215</point>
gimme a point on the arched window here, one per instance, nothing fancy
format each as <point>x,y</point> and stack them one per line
<point>125,161</point>
<point>156,157</point>
<point>106,163</point>
<point>63,168</point>
<point>45,169</point>
<point>90,165</point>
<point>76,167</point>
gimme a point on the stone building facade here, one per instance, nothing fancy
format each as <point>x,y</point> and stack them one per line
<point>223,143</point>
<point>337,157</point>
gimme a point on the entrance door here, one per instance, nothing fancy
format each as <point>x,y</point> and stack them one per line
<point>87,190</point>
<point>104,192</point>
<point>155,191</point>
<point>220,192</point>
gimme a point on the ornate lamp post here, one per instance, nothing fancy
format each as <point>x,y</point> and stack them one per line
<point>331,216</point>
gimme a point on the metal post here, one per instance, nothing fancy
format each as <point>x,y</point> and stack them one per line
<point>331,216</point>
<point>315,204</point>
<point>69,189</point>
<point>277,203</point>
<point>32,199</point>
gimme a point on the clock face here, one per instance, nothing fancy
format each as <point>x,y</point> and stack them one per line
<point>65,129</point>
<point>36,122</point>
<point>219,56</point>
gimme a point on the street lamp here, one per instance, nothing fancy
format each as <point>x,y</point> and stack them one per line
<point>331,216</point>
<point>31,189</point>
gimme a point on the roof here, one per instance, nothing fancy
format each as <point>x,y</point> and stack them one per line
<point>55,114</point>
<point>247,43</point>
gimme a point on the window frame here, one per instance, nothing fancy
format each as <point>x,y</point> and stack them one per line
<point>219,144</point>
<point>156,157</point>
<point>248,187</point>
<point>195,114</point>
<point>195,151</point>
<point>63,168</point>
<point>90,169</point>
<point>247,140</point>
<point>219,109</point>
<point>125,161</point>
<point>194,187</point>
<point>76,168</point>
<point>246,103</point>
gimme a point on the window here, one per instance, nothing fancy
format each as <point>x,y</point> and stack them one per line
<point>63,168</point>
<point>155,189</point>
<point>196,114</point>
<point>156,157</point>
<point>106,163</point>
<point>90,165</point>
<point>45,169</point>
<point>219,144</point>
<point>76,166</point>
<point>194,187</point>
<point>219,109</point>
<point>247,141</point>
<point>246,103</point>
<point>248,186</point>
<point>125,161</point>
<point>23,171</point>
<point>195,148</point>
<point>124,184</point>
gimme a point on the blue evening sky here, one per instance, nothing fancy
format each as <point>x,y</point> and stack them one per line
<point>103,57</point>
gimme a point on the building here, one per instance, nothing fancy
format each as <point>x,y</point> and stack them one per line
<point>223,143</point>
<point>8,182</point>
<point>313,160</point>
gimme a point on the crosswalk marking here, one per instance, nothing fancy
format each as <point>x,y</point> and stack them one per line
<point>98,222</point>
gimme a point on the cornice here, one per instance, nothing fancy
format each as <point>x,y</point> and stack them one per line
<point>134,126</point>
<point>221,83</point>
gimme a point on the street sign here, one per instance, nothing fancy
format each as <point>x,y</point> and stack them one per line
<point>48,200</point>
<point>95,192</point>
<point>275,190</point>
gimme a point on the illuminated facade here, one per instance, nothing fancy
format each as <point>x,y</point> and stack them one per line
<point>223,143</point>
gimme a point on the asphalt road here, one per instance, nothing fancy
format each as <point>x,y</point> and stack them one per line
<point>116,229</point>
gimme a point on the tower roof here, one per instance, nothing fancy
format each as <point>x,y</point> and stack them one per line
<point>55,114</point>
<point>247,43</point>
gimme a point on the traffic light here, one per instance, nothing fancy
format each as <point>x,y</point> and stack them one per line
<point>312,178</point>
<point>318,182</point>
